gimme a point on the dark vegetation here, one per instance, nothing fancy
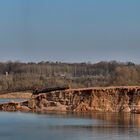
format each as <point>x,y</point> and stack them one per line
<point>22,76</point>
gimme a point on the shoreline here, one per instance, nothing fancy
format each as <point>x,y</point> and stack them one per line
<point>123,99</point>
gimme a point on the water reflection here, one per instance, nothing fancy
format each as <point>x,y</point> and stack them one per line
<point>69,126</point>
<point>103,123</point>
<point>113,123</point>
<point>125,119</point>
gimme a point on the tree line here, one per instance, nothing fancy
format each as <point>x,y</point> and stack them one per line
<point>16,76</point>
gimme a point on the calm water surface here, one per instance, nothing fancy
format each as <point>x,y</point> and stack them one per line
<point>96,126</point>
<point>10,100</point>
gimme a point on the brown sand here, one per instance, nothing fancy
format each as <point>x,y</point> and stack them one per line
<point>13,95</point>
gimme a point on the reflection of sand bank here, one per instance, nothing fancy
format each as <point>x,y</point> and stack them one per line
<point>125,119</point>
<point>128,124</point>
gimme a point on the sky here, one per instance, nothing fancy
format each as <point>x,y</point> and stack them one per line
<point>70,30</point>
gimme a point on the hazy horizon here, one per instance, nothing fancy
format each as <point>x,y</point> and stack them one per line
<point>70,31</point>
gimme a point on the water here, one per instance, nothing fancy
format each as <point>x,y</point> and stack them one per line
<point>10,100</point>
<point>29,126</point>
<point>58,126</point>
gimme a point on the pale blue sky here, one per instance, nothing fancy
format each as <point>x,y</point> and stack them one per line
<point>70,30</point>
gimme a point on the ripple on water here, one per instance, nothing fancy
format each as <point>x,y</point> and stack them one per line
<point>16,125</point>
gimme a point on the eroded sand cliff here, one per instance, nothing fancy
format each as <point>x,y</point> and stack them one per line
<point>101,99</point>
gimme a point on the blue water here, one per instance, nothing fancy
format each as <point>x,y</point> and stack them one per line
<point>61,126</point>
<point>10,100</point>
<point>29,126</point>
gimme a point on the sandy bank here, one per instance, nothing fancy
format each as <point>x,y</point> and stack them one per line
<point>14,95</point>
<point>94,99</point>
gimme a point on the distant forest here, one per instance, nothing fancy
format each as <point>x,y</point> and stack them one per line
<point>16,76</point>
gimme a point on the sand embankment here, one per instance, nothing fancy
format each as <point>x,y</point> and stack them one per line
<point>94,99</point>
<point>14,95</point>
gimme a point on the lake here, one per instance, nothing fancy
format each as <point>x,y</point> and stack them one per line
<point>62,126</point>
<point>3,100</point>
